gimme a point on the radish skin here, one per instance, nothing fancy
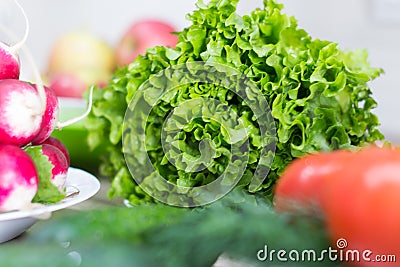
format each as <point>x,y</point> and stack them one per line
<point>60,169</point>
<point>9,63</point>
<point>20,112</point>
<point>49,118</point>
<point>9,59</point>
<point>18,178</point>
<point>60,145</point>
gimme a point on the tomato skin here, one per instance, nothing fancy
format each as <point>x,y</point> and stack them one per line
<point>357,194</point>
<point>363,205</point>
<point>300,187</point>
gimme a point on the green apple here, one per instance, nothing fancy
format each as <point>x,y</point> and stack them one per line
<point>82,56</point>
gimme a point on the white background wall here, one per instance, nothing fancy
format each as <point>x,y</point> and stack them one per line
<point>370,24</point>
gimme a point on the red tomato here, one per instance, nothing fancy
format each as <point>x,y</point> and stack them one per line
<point>362,206</point>
<point>357,194</point>
<point>301,185</point>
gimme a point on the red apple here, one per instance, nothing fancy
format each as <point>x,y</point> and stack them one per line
<point>67,85</point>
<point>77,61</point>
<point>142,35</point>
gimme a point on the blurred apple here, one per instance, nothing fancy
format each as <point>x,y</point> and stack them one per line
<point>67,85</point>
<point>77,61</point>
<point>142,35</point>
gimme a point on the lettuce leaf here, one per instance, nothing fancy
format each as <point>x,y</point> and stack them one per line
<point>47,192</point>
<point>318,94</point>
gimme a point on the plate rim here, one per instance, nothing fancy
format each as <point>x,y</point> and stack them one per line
<point>87,184</point>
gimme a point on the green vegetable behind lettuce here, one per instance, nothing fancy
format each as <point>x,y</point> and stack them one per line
<point>318,95</point>
<point>165,236</point>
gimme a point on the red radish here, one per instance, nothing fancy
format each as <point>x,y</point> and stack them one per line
<point>18,178</point>
<point>7,134</point>
<point>60,145</point>
<point>21,112</point>
<point>9,63</point>
<point>49,118</point>
<point>60,169</point>
<point>21,108</point>
<point>9,59</point>
<point>25,116</point>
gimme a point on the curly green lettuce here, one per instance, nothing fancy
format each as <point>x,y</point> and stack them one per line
<point>318,95</point>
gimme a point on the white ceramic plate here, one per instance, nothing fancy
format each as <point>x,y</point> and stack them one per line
<point>80,185</point>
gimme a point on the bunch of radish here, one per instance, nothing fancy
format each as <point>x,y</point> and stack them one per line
<point>28,116</point>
